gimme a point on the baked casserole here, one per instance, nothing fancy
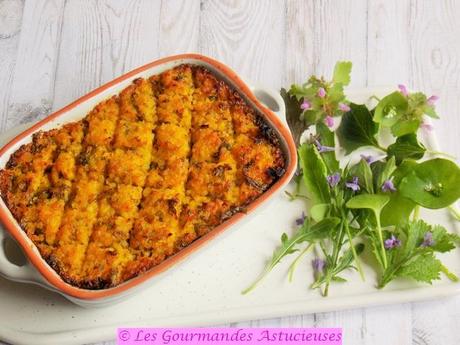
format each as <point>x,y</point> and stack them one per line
<point>142,176</point>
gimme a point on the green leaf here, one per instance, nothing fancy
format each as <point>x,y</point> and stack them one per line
<point>312,117</point>
<point>335,94</point>
<point>327,138</point>
<point>342,72</point>
<point>430,111</point>
<point>314,174</point>
<point>399,208</point>
<point>414,260</point>
<point>403,169</point>
<point>405,127</point>
<point>383,171</point>
<point>319,211</point>
<point>293,115</point>
<point>374,246</point>
<point>374,202</point>
<point>377,169</point>
<point>424,268</point>
<point>297,91</point>
<point>365,173</point>
<point>397,211</point>
<point>432,184</point>
<point>443,241</point>
<point>357,129</point>
<point>417,101</point>
<point>321,229</point>
<point>414,232</point>
<point>389,110</point>
<point>406,146</point>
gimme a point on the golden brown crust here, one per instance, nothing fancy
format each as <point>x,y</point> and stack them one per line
<point>142,176</point>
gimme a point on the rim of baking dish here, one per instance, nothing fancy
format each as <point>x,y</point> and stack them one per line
<point>51,275</point>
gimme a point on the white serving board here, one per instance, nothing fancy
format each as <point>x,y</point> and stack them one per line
<point>205,289</point>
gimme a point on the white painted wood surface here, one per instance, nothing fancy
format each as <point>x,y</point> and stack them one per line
<point>52,52</point>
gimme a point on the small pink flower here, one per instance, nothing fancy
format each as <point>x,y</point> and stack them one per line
<point>403,90</point>
<point>432,100</point>
<point>329,121</point>
<point>344,107</point>
<point>321,92</point>
<point>426,126</point>
<point>306,105</point>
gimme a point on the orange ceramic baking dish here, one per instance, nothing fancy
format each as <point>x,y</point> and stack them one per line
<point>41,273</point>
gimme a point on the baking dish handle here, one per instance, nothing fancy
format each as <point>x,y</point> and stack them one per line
<point>272,100</point>
<point>11,271</point>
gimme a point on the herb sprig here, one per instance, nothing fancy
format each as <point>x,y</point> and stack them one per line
<point>375,202</point>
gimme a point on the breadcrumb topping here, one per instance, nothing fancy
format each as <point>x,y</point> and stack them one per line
<point>142,176</point>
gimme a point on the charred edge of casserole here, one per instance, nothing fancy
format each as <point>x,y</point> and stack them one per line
<point>96,284</point>
<point>144,264</point>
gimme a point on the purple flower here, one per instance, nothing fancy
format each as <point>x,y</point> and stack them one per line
<point>392,242</point>
<point>329,121</point>
<point>318,265</point>
<point>432,100</point>
<point>403,90</point>
<point>369,159</point>
<point>427,240</point>
<point>426,126</point>
<point>301,219</point>
<point>354,184</point>
<point>388,186</point>
<point>333,179</point>
<point>321,92</point>
<point>306,105</point>
<point>344,107</point>
<point>322,148</point>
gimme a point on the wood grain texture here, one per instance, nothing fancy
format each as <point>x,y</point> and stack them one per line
<point>299,41</point>
<point>179,27</point>
<point>52,52</point>
<point>388,43</point>
<point>341,34</point>
<point>10,29</point>
<point>434,32</point>
<point>34,73</point>
<point>246,35</point>
<point>101,40</point>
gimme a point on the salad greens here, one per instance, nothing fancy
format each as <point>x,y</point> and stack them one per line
<point>371,205</point>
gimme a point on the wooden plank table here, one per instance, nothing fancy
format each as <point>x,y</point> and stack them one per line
<point>52,52</point>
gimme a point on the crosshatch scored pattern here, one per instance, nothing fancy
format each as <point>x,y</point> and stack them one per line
<point>141,177</point>
<point>52,52</point>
